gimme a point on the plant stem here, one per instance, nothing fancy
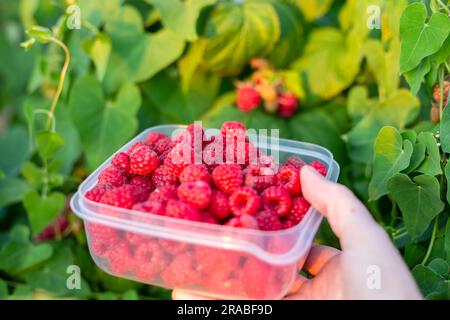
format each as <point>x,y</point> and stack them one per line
<point>444,6</point>
<point>431,244</point>
<point>441,87</point>
<point>62,78</point>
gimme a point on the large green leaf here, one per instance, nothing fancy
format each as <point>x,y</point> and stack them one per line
<point>18,253</point>
<point>447,238</point>
<point>431,283</point>
<point>237,32</point>
<point>99,50</point>
<point>392,155</point>
<point>330,62</point>
<point>14,148</point>
<point>313,9</point>
<point>181,16</point>
<point>432,163</point>
<point>137,55</point>
<point>42,210</point>
<point>98,12</point>
<point>419,200</point>
<point>445,130</point>
<point>370,115</point>
<point>420,38</point>
<point>103,126</point>
<point>12,190</point>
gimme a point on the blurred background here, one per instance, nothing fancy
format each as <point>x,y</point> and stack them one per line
<point>91,74</point>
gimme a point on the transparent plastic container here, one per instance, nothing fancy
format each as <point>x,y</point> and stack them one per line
<point>214,260</point>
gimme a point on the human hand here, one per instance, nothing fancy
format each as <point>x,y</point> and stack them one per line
<point>367,252</point>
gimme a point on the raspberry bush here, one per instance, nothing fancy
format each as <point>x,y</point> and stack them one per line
<point>88,82</point>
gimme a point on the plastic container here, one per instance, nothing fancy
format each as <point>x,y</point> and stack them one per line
<point>214,260</point>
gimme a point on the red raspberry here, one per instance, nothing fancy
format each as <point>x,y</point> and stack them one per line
<point>178,158</point>
<point>259,177</point>
<point>248,98</point>
<point>150,260</point>
<point>181,210</point>
<point>320,167</point>
<point>268,221</point>
<point>298,211</point>
<point>195,172</point>
<point>55,229</point>
<point>259,280</point>
<point>276,199</point>
<point>143,160</point>
<point>210,259</point>
<point>233,131</point>
<point>113,176</point>
<point>163,194</point>
<point>135,239</point>
<point>154,137</point>
<point>181,272</point>
<point>244,221</point>
<point>289,178</point>
<point>124,196</point>
<point>295,162</point>
<point>97,192</point>
<point>98,231</point>
<point>213,155</point>
<point>136,145</point>
<point>287,105</point>
<point>142,182</point>
<point>197,194</point>
<point>155,207</point>
<point>244,200</point>
<point>121,161</point>
<point>227,177</point>
<point>218,206</point>
<point>196,133</point>
<point>437,92</point>
<point>207,218</point>
<point>121,260</point>
<point>162,146</point>
<point>173,247</point>
<point>101,247</point>
<point>163,176</point>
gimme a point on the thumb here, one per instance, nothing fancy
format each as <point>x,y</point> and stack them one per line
<point>348,217</point>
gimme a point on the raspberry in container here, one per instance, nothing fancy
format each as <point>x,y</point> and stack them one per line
<point>226,230</point>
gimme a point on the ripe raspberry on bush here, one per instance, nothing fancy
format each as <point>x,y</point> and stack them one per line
<point>121,259</point>
<point>276,199</point>
<point>437,92</point>
<point>299,208</point>
<point>195,172</point>
<point>164,176</point>
<point>287,104</point>
<point>244,200</point>
<point>55,229</point>
<point>181,271</point>
<point>218,206</point>
<point>260,177</point>
<point>121,161</point>
<point>182,210</point>
<point>113,176</point>
<point>248,97</point>
<point>320,167</point>
<point>143,160</point>
<point>197,194</point>
<point>268,221</point>
<point>289,178</point>
<point>124,196</point>
<point>150,260</point>
<point>227,177</point>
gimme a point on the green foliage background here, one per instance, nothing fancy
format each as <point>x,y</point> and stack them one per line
<point>139,63</point>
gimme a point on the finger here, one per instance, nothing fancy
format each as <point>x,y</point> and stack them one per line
<point>184,295</point>
<point>348,217</point>
<point>318,257</point>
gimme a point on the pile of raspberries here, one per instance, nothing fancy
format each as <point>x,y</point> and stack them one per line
<point>233,184</point>
<point>161,176</point>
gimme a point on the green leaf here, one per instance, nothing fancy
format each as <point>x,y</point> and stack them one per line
<point>15,151</point>
<point>429,282</point>
<point>416,77</point>
<point>98,11</point>
<point>103,126</point>
<point>417,157</point>
<point>329,52</point>
<point>445,130</point>
<point>137,55</point>
<point>99,50</point>
<point>392,155</point>
<point>447,238</point>
<point>130,295</point>
<point>419,200</point>
<point>42,34</point>
<point>47,143</point>
<point>190,62</point>
<point>237,32</point>
<point>432,163</point>
<point>181,16</point>
<point>313,9</point>
<point>43,210</point>
<point>414,254</point>
<point>3,290</point>
<point>288,48</point>
<point>420,38</point>
<point>370,115</point>
<point>443,53</point>
<point>18,253</point>
<point>12,190</point>
<point>440,267</point>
